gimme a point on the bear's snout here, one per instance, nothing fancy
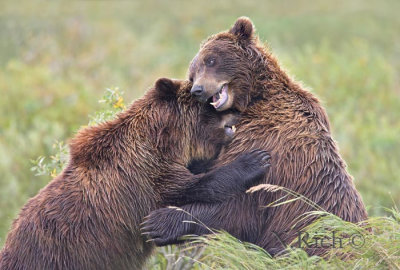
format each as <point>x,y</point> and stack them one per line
<point>197,90</point>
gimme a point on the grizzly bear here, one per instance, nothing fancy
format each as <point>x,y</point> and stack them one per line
<point>89,216</point>
<point>234,71</point>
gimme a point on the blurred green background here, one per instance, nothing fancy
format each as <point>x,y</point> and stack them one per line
<point>57,58</point>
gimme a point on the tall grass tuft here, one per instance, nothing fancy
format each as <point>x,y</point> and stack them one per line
<point>372,244</point>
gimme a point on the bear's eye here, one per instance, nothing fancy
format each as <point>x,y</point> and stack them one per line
<point>210,62</point>
<point>191,79</point>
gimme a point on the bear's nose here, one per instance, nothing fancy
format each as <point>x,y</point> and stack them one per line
<point>197,90</point>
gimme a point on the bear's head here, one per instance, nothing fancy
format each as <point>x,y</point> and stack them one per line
<point>196,127</point>
<point>225,71</point>
<point>167,121</point>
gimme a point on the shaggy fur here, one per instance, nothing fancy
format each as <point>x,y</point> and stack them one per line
<point>279,116</point>
<point>89,216</point>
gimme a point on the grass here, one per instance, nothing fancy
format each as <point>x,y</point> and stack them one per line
<point>57,58</point>
<point>378,249</point>
<point>374,244</point>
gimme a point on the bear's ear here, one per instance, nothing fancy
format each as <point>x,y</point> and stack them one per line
<point>243,28</point>
<point>166,87</point>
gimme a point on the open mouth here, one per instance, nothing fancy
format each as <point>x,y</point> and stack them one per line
<point>221,97</point>
<point>230,130</point>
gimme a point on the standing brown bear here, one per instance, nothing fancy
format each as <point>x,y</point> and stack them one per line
<point>234,71</point>
<point>89,216</point>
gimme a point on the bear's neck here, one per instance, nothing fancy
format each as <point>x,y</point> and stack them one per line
<point>269,78</point>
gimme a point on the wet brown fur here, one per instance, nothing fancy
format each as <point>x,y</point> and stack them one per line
<point>89,216</point>
<point>280,116</point>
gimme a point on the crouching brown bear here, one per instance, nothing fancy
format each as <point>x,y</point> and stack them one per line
<point>89,216</point>
<point>234,71</point>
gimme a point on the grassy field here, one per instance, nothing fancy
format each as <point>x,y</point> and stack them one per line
<point>57,58</point>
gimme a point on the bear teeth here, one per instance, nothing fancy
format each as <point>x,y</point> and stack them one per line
<point>220,97</point>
